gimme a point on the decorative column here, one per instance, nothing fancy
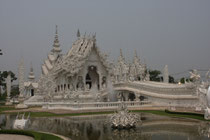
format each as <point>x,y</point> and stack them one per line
<point>99,80</point>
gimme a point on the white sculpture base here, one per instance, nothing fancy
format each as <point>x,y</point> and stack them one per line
<point>21,106</point>
<point>207,114</point>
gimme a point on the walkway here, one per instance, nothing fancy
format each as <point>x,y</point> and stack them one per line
<point>14,137</point>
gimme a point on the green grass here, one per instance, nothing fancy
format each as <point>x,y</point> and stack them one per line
<point>157,112</point>
<point>35,135</point>
<point>6,108</point>
<point>48,114</point>
<point>174,114</point>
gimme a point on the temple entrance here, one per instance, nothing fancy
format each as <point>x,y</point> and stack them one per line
<point>32,92</point>
<point>92,78</point>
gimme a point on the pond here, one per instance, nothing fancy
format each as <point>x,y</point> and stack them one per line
<point>96,127</point>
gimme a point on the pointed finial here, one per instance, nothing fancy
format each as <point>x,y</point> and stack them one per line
<point>121,52</point>
<point>31,68</point>
<point>78,33</point>
<point>135,53</point>
<point>94,36</point>
<point>56,29</point>
<point>56,45</point>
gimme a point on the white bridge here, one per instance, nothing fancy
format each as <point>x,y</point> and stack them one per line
<point>160,93</point>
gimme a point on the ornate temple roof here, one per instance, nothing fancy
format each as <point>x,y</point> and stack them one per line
<point>73,61</point>
<point>32,84</point>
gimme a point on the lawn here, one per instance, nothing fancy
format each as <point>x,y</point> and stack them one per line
<point>5,108</point>
<point>157,112</point>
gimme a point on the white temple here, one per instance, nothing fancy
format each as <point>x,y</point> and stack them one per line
<point>84,76</point>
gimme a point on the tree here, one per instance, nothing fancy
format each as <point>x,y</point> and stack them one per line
<point>3,96</point>
<point>3,76</point>
<point>14,91</point>
<point>182,80</point>
<point>171,79</point>
<point>155,75</point>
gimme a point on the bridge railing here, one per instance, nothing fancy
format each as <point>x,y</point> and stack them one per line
<point>94,105</point>
<point>160,90</point>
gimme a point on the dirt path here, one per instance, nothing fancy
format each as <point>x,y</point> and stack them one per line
<point>14,137</point>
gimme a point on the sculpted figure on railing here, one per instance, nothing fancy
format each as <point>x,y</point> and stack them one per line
<point>195,76</point>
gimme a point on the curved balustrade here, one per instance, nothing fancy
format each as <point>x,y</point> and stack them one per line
<point>170,92</point>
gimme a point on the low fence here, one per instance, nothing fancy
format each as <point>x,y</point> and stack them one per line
<point>94,105</point>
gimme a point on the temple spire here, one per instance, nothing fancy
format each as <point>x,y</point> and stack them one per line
<point>21,77</point>
<point>56,45</point>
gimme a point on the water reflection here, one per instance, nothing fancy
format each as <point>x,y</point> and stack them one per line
<point>153,127</point>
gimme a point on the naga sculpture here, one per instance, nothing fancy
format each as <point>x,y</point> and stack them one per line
<point>123,119</point>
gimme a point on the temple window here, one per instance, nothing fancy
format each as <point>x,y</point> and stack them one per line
<point>61,87</point>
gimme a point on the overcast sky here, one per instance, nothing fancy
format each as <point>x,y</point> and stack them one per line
<point>173,32</point>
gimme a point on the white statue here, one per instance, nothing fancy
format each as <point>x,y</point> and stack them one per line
<point>88,87</point>
<point>207,110</point>
<point>8,84</point>
<point>104,85</point>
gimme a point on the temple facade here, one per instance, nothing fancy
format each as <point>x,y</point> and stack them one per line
<point>84,75</point>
